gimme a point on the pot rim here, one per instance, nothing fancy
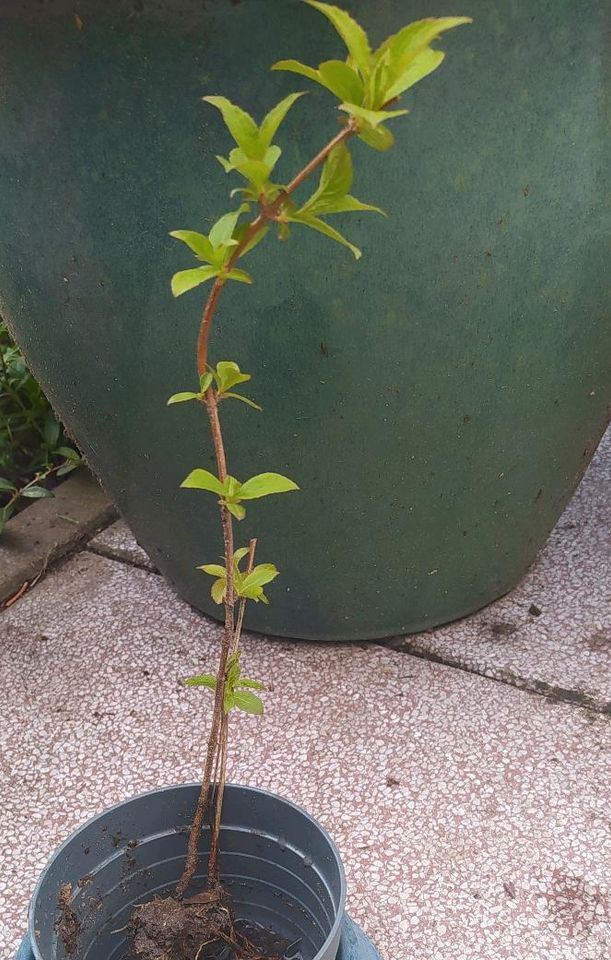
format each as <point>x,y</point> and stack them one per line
<point>341,909</point>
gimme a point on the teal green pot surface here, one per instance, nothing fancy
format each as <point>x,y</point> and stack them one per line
<point>437,402</point>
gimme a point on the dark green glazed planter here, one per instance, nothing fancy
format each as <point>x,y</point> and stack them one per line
<point>437,402</point>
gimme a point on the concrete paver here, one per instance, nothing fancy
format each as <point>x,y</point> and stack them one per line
<point>118,542</point>
<point>473,817</point>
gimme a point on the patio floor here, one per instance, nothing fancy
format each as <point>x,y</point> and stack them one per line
<point>469,797</point>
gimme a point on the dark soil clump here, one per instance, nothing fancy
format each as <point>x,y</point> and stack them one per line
<point>196,928</point>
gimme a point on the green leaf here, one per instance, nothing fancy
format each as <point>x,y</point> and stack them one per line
<point>274,118</point>
<point>341,80</point>
<point>217,591</point>
<point>331,195</point>
<point>203,480</point>
<point>222,231</point>
<point>7,485</point>
<point>413,38</point>
<point>206,680</point>
<point>426,61</point>
<point>248,702</point>
<point>36,493</point>
<point>239,555</point>
<point>51,431</point>
<point>68,453</point>
<point>68,468</point>
<point>197,242</point>
<point>214,569</point>
<point>348,204</point>
<point>253,684</point>
<point>232,671</point>
<point>240,124</point>
<point>239,275</point>
<point>372,117</point>
<point>263,573</point>
<point>295,66</point>
<point>181,397</point>
<point>204,381</point>
<point>350,31</point>
<point>238,396</point>
<point>307,220</point>
<point>380,138</point>
<point>265,484</point>
<point>228,374</point>
<point>236,510</point>
<point>335,180</point>
<point>188,279</point>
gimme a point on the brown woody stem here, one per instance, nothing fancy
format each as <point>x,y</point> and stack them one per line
<point>216,755</point>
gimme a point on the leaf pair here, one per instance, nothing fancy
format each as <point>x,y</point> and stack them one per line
<point>246,585</point>
<point>216,250</point>
<point>255,156</point>
<point>231,492</point>
<point>331,196</point>
<point>225,375</point>
<point>368,81</point>
<point>237,689</point>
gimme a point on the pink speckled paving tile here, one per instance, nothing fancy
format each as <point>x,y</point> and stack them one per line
<point>473,817</point>
<point>553,632</point>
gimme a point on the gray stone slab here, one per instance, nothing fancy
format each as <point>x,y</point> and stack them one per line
<point>473,817</point>
<point>119,543</point>
<point>50,528</point>
<point>552,633</point>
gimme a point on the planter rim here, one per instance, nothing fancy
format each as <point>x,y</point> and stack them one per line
<point>341,910</point>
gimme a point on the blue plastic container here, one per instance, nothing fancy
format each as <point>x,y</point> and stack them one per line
<point>281,867</point>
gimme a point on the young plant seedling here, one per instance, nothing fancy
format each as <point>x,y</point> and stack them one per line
<point>368,83</point>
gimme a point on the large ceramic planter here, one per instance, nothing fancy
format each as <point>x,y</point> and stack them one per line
<point>282,870</point>
<point>437,402</point>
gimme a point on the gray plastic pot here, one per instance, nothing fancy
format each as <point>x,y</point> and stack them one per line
<point>282,869</point>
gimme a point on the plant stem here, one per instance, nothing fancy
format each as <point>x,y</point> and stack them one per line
<point>217,740</point>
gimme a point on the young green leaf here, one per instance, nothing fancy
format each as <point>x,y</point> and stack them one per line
<point>188,279</point>
<point>315,223</point>
<point>228,374</point>
<point>342,80</point>
<point>221,233</point>
<point>254,241</point>
<point>332,195</point>
<point>274,118</point>
<point>206,680</point>
<point>236,510</point>
<point>351,33</point>
<point>214,569</point>
<point>36,493</point>
<point>247,400</point>
<point>248,702</point>
<point>182,397</point>
<point>253,684</point>
<point>302,69</point>
<point>6,485</point>
<point>239,275</point>
<point>371,117</point>
<point>204,381</point>
<point>203,480</point>
<point>380,138</point>
<point>265,484</point>
<point>198,243</point>
<point>217,591</point>
<point>263,573</point>
<point>240,124</point>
